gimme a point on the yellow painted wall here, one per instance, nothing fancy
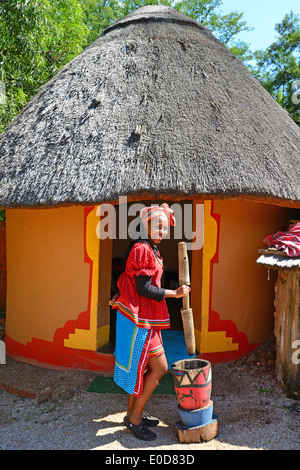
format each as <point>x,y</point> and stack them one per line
<point>47,278</point>
<point>241,291</point>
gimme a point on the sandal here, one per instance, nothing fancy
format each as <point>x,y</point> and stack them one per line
<point>140,431</point>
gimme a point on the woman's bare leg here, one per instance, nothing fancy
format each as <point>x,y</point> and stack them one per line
<point>130,403</point>
<point>157,368</point>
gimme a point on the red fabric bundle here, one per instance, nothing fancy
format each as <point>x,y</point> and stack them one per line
<point>288,241</point>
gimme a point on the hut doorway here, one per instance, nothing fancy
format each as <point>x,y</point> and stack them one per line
<point>115,248</point>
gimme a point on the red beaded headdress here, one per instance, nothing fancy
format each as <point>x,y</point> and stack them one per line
<point>148,213</point>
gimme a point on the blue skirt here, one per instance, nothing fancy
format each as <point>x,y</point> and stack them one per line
<point>131,355</point>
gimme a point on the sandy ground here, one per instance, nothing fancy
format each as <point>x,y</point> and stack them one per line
<point>252,411</point>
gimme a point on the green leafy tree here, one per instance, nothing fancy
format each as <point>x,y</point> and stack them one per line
<point>98,15</point>
<point>37,37</point>
<point>278,66</point>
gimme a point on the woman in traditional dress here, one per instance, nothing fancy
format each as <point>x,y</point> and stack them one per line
<point>141,315</point>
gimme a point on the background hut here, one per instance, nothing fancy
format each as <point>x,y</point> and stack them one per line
<point>287,317</point>
<point>156,109</point>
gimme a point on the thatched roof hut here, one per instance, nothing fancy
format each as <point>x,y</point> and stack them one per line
<point>155,105</point>
<point>155,109</point>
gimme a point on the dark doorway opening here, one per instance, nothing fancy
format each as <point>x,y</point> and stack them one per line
<point>169,252</point>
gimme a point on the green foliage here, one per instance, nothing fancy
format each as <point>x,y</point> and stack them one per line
<point>98,15</point>
<point>37,37</point>
<point>278,66</point>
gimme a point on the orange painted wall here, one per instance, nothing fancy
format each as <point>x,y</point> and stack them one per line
<point>241,291</point>
<point>47,278</point>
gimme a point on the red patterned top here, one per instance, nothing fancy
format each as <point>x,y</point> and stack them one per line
<point>144,312</point>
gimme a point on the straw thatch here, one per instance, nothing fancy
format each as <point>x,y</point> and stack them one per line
<point>156,105</point>
<point>277,261</point>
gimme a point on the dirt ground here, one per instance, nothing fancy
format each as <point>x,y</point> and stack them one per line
<point>44,409</point>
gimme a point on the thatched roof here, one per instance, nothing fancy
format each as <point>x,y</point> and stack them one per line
<point>155,106</point>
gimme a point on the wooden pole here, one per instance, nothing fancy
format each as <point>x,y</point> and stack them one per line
<point>186,311</point>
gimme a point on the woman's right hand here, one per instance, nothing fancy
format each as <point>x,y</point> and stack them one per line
<point>113,300</point>
<point>182,291</point>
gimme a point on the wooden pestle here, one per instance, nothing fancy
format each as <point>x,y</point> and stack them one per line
<point>186,311</point>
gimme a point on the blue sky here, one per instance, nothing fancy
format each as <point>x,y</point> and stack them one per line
<point>262,15</point>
